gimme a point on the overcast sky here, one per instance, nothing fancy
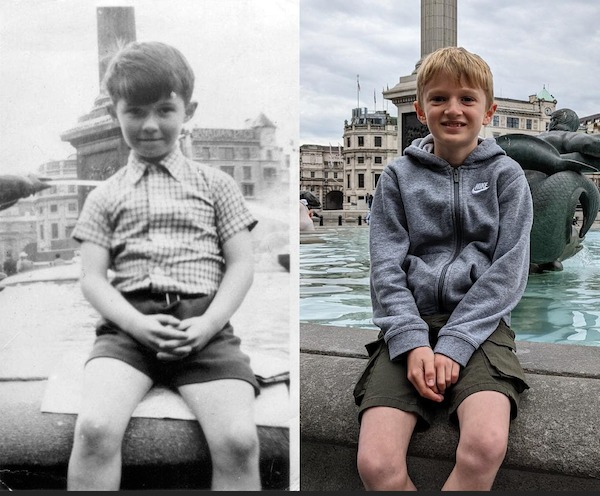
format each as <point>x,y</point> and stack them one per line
<point>244,54</point>
<point>528,44</point>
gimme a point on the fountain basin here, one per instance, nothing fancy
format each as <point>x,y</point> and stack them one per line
<point>47,332</point>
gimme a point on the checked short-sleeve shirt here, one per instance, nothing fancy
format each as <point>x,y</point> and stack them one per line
<point>164,225</point>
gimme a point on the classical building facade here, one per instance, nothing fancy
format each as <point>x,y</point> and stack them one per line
<point>322,173</point>
<point>590,124</point>
<point>250,155</point>
<point>57,210</point>
<point>41,225</point>
<point>530,116</point>
<point>370,140</point>
<point>18,230</point>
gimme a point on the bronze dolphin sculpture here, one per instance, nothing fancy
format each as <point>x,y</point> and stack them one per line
<point>557,185</point>
<point>14,187</point>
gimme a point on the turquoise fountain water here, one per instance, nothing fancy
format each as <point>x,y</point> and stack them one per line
<point>558,307</point>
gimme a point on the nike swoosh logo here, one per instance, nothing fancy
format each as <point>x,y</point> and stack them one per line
<point>479,187</point>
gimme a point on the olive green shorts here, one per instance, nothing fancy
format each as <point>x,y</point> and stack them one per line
<point>493,367</point>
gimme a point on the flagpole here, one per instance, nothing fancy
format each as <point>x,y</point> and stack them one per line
<point>357,92</point>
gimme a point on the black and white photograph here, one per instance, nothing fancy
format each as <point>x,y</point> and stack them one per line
<point>148,337</point>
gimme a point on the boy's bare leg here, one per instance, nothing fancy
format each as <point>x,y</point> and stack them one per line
<point>382,447</point>
<point>112,390</point>
<point>225,410</point>
<point>484,420</point>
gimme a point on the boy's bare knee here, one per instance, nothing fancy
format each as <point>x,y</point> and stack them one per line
<point>97,436</point>
<point>484,450</point>
<point>378,473</point>
<point>239,444</point>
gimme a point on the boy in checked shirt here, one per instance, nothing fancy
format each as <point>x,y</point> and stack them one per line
<point>177,236</point>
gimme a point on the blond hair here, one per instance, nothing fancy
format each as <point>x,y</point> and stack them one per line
<point>457,63</point>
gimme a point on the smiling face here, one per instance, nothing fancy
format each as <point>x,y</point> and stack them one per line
<point>454,113</point>
<point>152,130</point>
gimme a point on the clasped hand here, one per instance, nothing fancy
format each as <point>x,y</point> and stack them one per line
<point>431,373</point>
<point>171,338</point>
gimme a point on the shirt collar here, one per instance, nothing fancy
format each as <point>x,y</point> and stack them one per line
<point>174,164</point>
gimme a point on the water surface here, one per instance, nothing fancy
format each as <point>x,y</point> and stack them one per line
<point>557,307</point>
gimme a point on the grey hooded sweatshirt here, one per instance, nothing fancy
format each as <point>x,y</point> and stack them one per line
<point>448,240</point>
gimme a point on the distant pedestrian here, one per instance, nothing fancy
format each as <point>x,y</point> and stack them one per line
<point>306,222</point>
<point>10,265</point>
<point>58,260</point>
<point>24,264</point>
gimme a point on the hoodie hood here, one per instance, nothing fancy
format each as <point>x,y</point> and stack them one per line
<point>422,150</point>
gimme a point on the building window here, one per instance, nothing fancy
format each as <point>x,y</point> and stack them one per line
<point>377,176</point>
<point>226,153</point>
<point>205,153</point>
<point>248,190</point>
<point>228,169</point>
<point>72,189</point>
<point>496,120</point>
<point>512,122</point>
<point>54,228</point>
<point>326,175</point>
<point>348,142</point>
<point>41,231</point>
<point>269,173</point>
<point>361,141</point>
<point>72,207</point>
<point>528,124</point>
<point>361,181</point>
<point>335,175</point>
<point>361,160</point>
<point>378,141</point>
<point>378,160</point>
<point>245,153</point>
<point>348,160</point>
<point>312,174</point>
<point>348,183</point>
<point>247,173</point>
<point>53,208</point>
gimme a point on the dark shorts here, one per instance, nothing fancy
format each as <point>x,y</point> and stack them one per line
<point>221,358</point>
<point>493,367</point>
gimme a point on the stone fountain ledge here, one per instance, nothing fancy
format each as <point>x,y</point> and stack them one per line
<point>553,445</point>
<point>158,453</point>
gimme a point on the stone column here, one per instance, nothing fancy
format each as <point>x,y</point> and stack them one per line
<point>116,28</point>
<point>101,149</point>
<point>438,25</point>
<point>438,30</point>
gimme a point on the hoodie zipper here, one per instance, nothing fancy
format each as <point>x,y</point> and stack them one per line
<point>457,235</point>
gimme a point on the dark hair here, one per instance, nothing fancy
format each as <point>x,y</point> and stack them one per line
<point>142,73</point>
